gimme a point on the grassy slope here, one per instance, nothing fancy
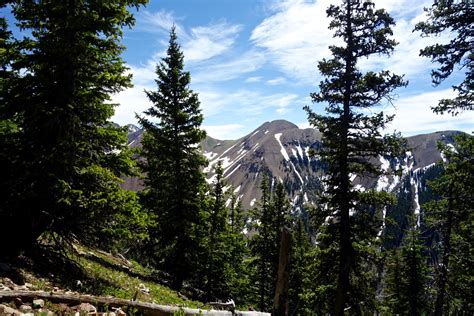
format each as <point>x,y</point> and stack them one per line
<point>99,274</point>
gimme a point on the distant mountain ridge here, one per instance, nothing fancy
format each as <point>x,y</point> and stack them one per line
<point>280,150</point>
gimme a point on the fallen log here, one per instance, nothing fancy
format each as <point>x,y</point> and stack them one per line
<point>148,309</point>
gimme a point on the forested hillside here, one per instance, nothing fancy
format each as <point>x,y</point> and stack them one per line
<point>341,218</point>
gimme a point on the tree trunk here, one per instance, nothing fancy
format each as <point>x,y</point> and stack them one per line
<point>280,305</point>
<point>345,246</point>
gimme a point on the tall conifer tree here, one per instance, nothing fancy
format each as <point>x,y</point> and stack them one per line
<point>271,215</point>
<point>299,267</point>
<point>453,217</point>
<point>9,131</point>
<point>237,241</point>
<point>350,136</point>
<point>174,181</point>
<point>69,156</point>
<point>218,242</point>
<point>452,214</point>
<point>405,286</point>
<point>262,250</point>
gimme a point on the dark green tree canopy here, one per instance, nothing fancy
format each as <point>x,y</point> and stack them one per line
<point>452,216</point>
<point>174,181</point>
<point>70,157</point>
<point>350,136</point>
<point>457,18</point>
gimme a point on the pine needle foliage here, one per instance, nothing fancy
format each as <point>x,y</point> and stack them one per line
<point>174,181</point>
<point>407,278</point>
<point>69,156</point>
<point>217,270</point>
<point>452,216</point>
<point>351,137</point>
<point>455,17</point>
<point>271,215</point>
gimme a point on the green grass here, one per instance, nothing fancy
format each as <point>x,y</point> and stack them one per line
<point>121,285</point>
<point>99,273</point>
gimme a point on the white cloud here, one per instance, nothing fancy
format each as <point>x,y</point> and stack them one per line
<point>296,37</point>
<point>253,79</point>
<point>160,22</point>
<point>201,45</point>
<point>143,74</point>
<point>226,131</point>
<point>304,125</point>
<point>131,101</point>
<point>398,8</point>
<point>209,41</point>
<point>234,68</point>
<point>238,105</point>
<point>405,59</point>
<point>276,81</point>
<point>244,103</point>
<point>198,43</point>
<point>414,114</point>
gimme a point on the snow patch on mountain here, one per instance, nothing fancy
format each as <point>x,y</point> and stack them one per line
<point>282,150</point>
<point>306,151</point>
<point>293,151</point>
<point>228,175</point>
<point>300,150</point>
<point>132,128</point>
<point>297,173</point>
<point>255,133</point>
<point>415,183</point>
<point>211,179</point>
<point>210,155</point>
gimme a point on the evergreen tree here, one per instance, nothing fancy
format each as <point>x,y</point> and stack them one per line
<point>455,17</point>
<point>320,286</point>
<point>237,241</point>
<point>452,216</point>
<point>415,273</point>
<point>174,182</point>
<point>218,246</point>
<point>271,216</point>
<point>9,131</point>
<point>407,276</point>
<point>299,268</point>
<point>68,157</point>
<point>280,207</point>
<point>282,244</point>
<point>393,299</point>
<point>8,126</point>
<point>262,250</point>
<point>350,136</point>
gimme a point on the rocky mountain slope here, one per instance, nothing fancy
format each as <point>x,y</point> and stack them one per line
<point>281,150</point>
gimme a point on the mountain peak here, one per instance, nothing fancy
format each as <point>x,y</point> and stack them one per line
<point>277,126</point>
<point>132,128</point>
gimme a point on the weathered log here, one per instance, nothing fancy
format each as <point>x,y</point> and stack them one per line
<point>148,309</point>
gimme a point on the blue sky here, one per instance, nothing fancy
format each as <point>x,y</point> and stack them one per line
<point>253,61</point>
